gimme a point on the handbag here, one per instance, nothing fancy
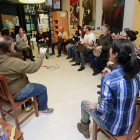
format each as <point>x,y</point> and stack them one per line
<point>81,47</point>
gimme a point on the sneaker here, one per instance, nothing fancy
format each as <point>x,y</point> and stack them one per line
<point>99,92</point>
<point>27,109</point>
<point>46,112</point>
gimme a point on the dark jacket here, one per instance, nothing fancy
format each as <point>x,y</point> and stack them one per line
<point>105,42</point>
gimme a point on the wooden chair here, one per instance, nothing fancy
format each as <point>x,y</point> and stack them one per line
<point>133,135</point>
<point>5,93</point>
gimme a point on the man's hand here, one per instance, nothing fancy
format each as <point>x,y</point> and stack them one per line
<point>99,48</point>
<point>91,106</point>
<point>42,39</point>
<point>109,63</point>
<point>83,42</point>
<point>43,50</point>
<point>22,38</point>
<point>105,71</point>
<point>47,38</point>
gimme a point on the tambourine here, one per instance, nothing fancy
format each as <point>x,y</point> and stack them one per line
<point>81,47</point>
<point>60,40</point>
<point>97,53</point>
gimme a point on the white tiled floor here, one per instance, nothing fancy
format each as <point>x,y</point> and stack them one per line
<point>66,89</point>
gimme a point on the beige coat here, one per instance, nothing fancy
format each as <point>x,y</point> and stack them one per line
<point>15,71</point>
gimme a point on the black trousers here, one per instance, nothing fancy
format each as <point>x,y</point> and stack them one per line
<point>103,61</point>
<point>59,46</point>
<point>25,51</point>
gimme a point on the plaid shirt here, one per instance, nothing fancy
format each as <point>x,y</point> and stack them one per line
<point>117,106</point>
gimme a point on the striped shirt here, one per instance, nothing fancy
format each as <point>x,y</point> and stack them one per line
<point>117,106</point>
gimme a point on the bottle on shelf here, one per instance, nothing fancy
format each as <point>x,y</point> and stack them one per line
<point>2,134</point>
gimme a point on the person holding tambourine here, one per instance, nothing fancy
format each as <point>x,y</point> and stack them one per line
<point>62,40</point>
<point>101,49</point>
<point>42,39</point>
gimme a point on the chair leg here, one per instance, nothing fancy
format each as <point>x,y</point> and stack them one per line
<point>22,107</point>
<point>36,107</point>
<point>2,114</point>
<point>16,118</point>
<point>94,131</point>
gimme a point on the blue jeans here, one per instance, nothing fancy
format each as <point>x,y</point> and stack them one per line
<point>73,54</point>
<point>38,90</point>
<point>70,47</point>
<point>94,62</point>
<point>82,56</point>
<point>86,115</point>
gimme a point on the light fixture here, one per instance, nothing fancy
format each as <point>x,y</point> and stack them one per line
<point>31,1</point>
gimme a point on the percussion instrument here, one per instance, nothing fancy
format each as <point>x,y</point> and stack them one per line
<point>96,52</point>
<point>60,39</point>
<point>81,47</point>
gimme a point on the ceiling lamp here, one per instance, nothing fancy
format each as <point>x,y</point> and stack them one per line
<point>32,1</point>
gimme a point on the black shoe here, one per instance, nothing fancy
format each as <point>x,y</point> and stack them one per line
<point>81,68</point>
<point>96,72</point>
<point>32,59</point>
<point>76,64</point>
<point>52,53</point>
<point>98,92</point>
<point>33,56</point>
<point>98,86</point>
<point>68,58</point>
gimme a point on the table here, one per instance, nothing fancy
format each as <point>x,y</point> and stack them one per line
<point>7,127</point>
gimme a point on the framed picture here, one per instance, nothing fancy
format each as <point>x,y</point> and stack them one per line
<point>74,13</point>
<point>113,13</point>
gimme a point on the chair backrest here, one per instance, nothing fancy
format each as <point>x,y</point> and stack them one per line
<point>4,89</point>
<point>136,124</point>
<point>34,34</point>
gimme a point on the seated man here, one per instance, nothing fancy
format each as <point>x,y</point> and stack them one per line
<point>62,34</point>
<point>116,107</point>
<point>15,71</point>
<point>115,34</point>
<point>41,39</point>
<point>22,44</point>
<point>103,44</point>
<point>89,39</point>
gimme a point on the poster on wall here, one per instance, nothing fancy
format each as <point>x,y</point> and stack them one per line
<point>89,8</point>
<point>113,13</point>
<point>74,13</point>
<point>9,21</point>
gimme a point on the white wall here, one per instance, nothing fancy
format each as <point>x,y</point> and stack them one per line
<point>129,14</point>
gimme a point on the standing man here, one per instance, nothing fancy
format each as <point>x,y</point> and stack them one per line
<point>64,35</point>
<point>41,38</point>
<point>88,40</point>
<point>103,44</point>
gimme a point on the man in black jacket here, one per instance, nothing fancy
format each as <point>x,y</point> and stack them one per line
<point>103,44</point>
<point>41,39</point>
